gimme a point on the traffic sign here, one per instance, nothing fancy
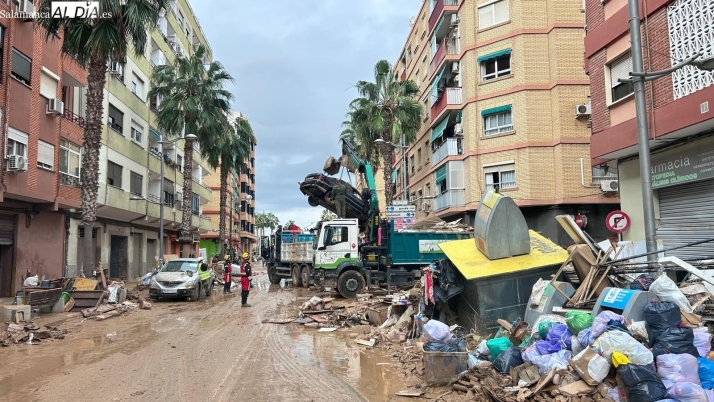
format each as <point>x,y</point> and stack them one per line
<point>401,208</point>
<point>404,221</point>
<point>617,221</point>
<point>400,202</point>
<point>401,214</point>
<point>581,221</point>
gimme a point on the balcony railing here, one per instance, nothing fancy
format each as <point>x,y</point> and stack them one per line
<point>435,13</point>
<point>68,180</point>
<point>438,57</point>
<point>195,179</point>
<point>451,147</point>
<point>451,96</point>
<point>206,217</point>
<point>453,45</point>
<point>404,75</point>
<point>73,117</point>
<point>448,199</point>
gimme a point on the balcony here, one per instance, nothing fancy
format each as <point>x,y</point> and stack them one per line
<point>439,56</point>
<point>451,147</point>
<point>438,8</point>
<point>73,117</point>
<point>448,199</point>
<point>451,96</point>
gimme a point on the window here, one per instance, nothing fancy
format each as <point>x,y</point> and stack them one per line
<point>70,158</point>
<point>428,190</point>
<point>420,195</point>
<point>496,67</point>
<point>412,197</point>
<point>492,14</point>
<point>497,123</point>
<point>137,86</point>
<point>419,157</point>
<point>411,161</point>
<point>21,66</point>
<point>16,143</point>
<point>620,68</point>
<point>45,155</point>
<point>116,119</point>
<point>418,78</point>
<point>409,55</point>
<point>179,162</point>
<point>136,183</point>
<point>195,205</point>
<point>168,198</point>
<point>136,132</point>
<point>48,84</point>
<point>114,174</point>
<point>503,176</point>
<point>180,18</point>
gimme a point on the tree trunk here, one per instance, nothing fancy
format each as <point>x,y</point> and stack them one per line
<point>185,234</point>
<point>223,206</point>
<point>387,171</point>
<point>89,177</point>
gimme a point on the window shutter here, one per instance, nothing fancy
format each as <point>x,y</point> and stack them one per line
<point>456,175</point>
<point>485,17</point>
<point>21,65</point>
<point>16,135</point>
<point>620,68</point>
<point>46,154</point>
<point>48,86</point>
<point>500,10</point>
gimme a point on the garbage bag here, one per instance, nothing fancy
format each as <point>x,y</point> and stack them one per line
<point>482,348</point>
<point>614,394</point>
<point>578,321</point>
<point>660,316</point>
<point>687,392</point>
<point>639,328</point>
<point>575,345</point>
<point>510,357</point>
<point>31,281</point>
<point>496,346</point>
<point>614,325</point>
<point>642,282</point>
<point>600,322</point>
<point>702,341</point>
<point>673,368</point>
<point>558,339</point>
<point>537,293</point>
<point>618,359</point>
<point>436,346</point>
<point>545,318</point>
<point>617,341</point>
<point>705,370</point>
<point>529,353</point>
<point>675,340</point>
<point>526,342</point>
<point>591,367</point>
<point>545,327</point>
<point>437,331</point>
<point>475,361</point>
<point>641,383</point>
<point>585,337</point>
<point>667,290</point>
<point>558,361</point>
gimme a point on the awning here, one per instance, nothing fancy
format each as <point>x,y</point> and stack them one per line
<point>441,173</point>
<point>441,21</point>
<point>473,265</point>
<point>495,110</point>
<point>459,115</point>
<point>439,129</point>
<point>151,130</point>
<point>493,55</point>
<point>394,176</point>
<point>435,85</point>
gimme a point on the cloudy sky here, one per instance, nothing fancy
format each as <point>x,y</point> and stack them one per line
<point>294,64</point>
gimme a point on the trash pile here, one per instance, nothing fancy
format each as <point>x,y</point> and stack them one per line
<point>30,333</point>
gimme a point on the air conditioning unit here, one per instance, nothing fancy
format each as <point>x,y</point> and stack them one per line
<point>609,185</point>
<point>115,68</point>
<point>455,19</point>
<point>55,106</point>
<point>425,207</point>
<point>458,128</point>
<point>26,6</point>
<point>583,110</point>
<point>455,67</point>
<point>16,163</point>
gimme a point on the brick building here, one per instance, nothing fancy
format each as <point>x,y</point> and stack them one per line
<point>678,112</point>
<point>41,137</point>
<point>501,81</point>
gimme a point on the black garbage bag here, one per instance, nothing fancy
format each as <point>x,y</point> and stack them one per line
<point>641,383</point>
<point>660,316</point>
<point>676,341</point>
<point>510,357</point>
<point>642,282</point>
<point>614,325</point>
<point>458,345</point>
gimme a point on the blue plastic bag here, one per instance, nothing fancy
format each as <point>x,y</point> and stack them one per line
<point>706,372</point>
<point>558,339</point>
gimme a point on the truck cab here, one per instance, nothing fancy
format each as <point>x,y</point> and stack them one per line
<point>337,242</point>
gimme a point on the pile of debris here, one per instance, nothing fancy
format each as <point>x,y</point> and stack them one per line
<point>30,333</point>
<point>436,224</point>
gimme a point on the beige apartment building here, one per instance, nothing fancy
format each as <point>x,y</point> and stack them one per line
<point>507,104</point>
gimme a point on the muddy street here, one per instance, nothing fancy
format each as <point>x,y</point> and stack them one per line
<point>199,351</point>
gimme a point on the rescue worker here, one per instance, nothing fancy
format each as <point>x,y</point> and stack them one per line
<point>227,269</point>
<point>246,276</point>
<point>338,194</point>
<point>204,275</point>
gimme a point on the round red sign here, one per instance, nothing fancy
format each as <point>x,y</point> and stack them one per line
<point>580,220</point>
<point>617,221</point>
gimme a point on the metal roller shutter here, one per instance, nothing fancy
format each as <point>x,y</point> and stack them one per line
<point>7,229</point>
<point>687,216</point>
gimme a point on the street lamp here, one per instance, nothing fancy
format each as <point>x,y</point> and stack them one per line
<point>161,142</point>
<point>639,76</point>
<point>404,161</point>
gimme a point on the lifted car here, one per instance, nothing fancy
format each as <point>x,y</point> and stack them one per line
<point>317,186</point>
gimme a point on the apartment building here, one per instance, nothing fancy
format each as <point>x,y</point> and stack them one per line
<point>127,228</point>
<point>42,139</point>
<point>502,82</point>
<point>241,231</point>
<point>680,121</point>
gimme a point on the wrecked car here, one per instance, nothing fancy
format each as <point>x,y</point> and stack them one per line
<point>317,186</point>
<point>178,278</point>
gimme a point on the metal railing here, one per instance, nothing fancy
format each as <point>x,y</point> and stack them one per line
<point>68,180</point>
<point>73,117</point>
<point>449,198</point>
<point>451,147</point>
<point>451,96</point>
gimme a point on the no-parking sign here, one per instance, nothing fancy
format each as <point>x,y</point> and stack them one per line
<point>617,221</point>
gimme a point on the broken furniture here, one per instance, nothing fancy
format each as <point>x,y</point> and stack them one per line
<point>39,298</point>
<point>442,367</point>
<point>85,299</point>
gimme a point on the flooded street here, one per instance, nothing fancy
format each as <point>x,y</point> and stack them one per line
<point>202,351</point>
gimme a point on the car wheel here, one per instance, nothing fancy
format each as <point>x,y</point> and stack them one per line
<point>297,278</point>
<point>273,276</point>
<point>312,201</point>
<point>305,273</point>
<point>196,293</point>
<point>154,298</point>
<point>350,283</point>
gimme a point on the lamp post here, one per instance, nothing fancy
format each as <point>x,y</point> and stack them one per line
<point>639,76</point>
<point>404,162</point>
<point>161,142</point>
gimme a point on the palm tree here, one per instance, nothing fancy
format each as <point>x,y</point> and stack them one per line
<point>193,101</point>
<point>363,141</point>
<point>327,215</point>
<point>93,42</point>
<point>386,109</point>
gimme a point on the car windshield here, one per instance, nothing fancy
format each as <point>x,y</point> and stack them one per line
<point>179,266</point>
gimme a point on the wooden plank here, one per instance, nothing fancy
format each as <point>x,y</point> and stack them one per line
<point>84,283</point>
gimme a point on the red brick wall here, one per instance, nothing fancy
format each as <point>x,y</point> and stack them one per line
<point>600,112</point>
<point>594,14</point>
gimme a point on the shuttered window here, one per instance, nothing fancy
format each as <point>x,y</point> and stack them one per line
<point>493,14</point>
<point>621,68</point>
<point>21,66</point>
<point>48,85</point>
<point>114,174</point>
<point>136,183</point>
<point>45,155</point>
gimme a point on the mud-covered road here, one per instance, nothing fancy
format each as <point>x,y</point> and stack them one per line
<point>199,351</point>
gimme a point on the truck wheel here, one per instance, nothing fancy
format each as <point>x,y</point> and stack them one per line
<point>297,278</point>
<point>350,283</point>
<point>273,276</point>
<point>305,273</point>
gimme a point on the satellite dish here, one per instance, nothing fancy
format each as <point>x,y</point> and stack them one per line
<point>412,21</point>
